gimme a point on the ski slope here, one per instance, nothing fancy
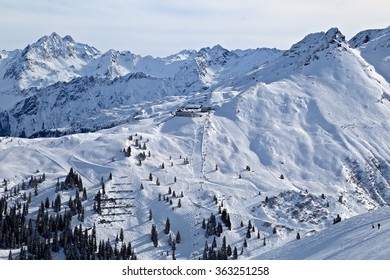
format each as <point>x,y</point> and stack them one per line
<point>352,239</point>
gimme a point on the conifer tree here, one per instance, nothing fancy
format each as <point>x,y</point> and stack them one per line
<point>154,236</point>
<point>229,250</point>
<point>84,197</point>
<point>167,226</point>
<point>214,244</point>
<point>235,253</point>
<point>178,237</point>
<point>248,233</point>
<point>47,203</point>
<point>205,251</point>
<point>103,188</point>
<point>121,235</point>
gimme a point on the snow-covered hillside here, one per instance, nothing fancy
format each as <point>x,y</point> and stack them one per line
<point>288,142</point>
<point>358,238</point>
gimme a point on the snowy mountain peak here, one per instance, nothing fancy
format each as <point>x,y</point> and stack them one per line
<point>319,41</point>
<point>182,55</point>
<point>50,59</point>
<point>68,38</point>
<point>378,37</point>
<point>54,46</point>
<point>374,47</point>
<point>335,35</point>
<point>217,53</point>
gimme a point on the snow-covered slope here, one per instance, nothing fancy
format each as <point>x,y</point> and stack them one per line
<point>293,139</point>
<point>374,47</point>
<point>358,238</point>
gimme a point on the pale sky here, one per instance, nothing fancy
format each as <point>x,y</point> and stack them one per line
<point>164,27</point>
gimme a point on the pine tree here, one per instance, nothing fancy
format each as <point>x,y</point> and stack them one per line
<point>205,251</point>
<point>121,235</point>
<point>129,151</point>
<point>154,236</point>
<point>235,253</point>
<point>84,197</point>
<point>214,244</point>
<point>178,237</point>
<point>47,203</point>
<point>248,233</point>
<point>150,215</point>
<point>167,226</point>
<point>229,250</point>
<point>57,203</point>
<point>173,245</point>
<point>103,188</point>
<point>223,246</point>
<point>173,255</point>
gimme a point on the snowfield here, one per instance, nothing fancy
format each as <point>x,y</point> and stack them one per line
<point>288,141</point>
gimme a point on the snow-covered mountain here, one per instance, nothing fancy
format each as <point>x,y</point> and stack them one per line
<point>289,141</point>
<point>373,46</point>
<point>44,62</point>
<point>115,80</point>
